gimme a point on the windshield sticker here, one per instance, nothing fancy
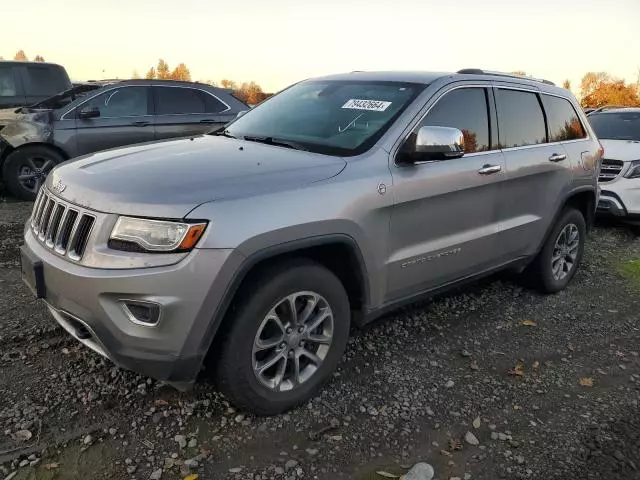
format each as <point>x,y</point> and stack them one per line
<point>372,105</point>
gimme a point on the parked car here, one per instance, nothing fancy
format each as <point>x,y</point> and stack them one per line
<point>26,83</point>
<point>75,123</point>
<point>618,129</point>
<point>340,198</point>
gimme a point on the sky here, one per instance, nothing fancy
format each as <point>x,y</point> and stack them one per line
<point>279,42</point>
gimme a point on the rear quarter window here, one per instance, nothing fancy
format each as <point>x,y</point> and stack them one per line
<point>562,119</point>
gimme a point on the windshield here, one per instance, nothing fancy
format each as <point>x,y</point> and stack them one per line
<point>333,117</point>
<point>616,126</point>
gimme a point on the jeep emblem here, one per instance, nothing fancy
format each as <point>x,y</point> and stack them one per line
<point>59,186</point>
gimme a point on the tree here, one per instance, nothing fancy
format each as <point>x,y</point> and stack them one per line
<point>181,72</point>
<point>38,58</point>
<point>226,83</point>
<point>135,74</point>
<point>151,74</point>
<point>250,93</point>
<point>520,73</point>
<point>162,71</point>
<point>566,84</point>
<point>600,89</point>
<point>20,55</point>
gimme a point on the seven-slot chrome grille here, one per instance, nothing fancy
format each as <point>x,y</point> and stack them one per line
<point>60,226</point>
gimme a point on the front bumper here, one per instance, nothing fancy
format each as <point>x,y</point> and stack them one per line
<point>87,303</point>
<point>621,198</point>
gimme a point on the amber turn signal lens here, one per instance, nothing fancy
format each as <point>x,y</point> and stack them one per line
<point>193,235</point>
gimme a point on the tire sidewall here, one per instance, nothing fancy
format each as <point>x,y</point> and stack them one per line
<point>247,320</point>
<point>15,160</point>
<point>568,216</point>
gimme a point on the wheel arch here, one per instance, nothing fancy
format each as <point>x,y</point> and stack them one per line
<point>582,199</point>
<point>339,253</point>
<point>11,149</point>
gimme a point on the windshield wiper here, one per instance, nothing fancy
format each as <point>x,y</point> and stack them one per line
<point>223,133</point>
<point>276,141</point>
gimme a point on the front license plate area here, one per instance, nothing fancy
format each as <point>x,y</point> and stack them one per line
<point>32,272</point>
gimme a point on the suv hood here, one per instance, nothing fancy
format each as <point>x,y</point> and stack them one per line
<point>625,150</point>
<point>170,178</point>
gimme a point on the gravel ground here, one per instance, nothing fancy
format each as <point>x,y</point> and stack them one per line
<point>492,381</point>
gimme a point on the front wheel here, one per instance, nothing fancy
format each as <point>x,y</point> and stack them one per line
<point>561,254</point>
<point>26,170</point>
<point>286,335</point>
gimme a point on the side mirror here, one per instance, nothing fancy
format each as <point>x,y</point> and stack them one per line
<point>89,112</point>
<point>241,113</point>
<point>433,143</point>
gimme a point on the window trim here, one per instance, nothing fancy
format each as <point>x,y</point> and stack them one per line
<point>100,92</point>
<point>488,97</point>
<point>189,88</point>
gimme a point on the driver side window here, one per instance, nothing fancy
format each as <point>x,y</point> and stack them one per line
<point>121,102</point>
<point>466,110</point>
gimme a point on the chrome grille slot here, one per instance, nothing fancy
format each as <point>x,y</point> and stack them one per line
<point>54,224</point>
<point>60,226</point>
<point>65,231</point>
<point>610,169</point>
<point>44,221</point>
<point>78,241</point>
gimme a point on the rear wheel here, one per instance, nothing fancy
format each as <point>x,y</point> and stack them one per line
<point>26,170</point>
<point>287,334</point>
<point>560,257</point>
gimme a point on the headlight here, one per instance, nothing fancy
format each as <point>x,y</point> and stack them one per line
<point>155,235</point>
<point>634,170</point>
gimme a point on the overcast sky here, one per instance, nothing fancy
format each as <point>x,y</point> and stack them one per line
<point>278,42</point>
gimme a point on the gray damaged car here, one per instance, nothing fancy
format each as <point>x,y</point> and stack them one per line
<point>255,249</point>
<point>98,116</point>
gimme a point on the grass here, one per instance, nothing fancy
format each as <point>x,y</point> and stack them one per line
<point>631,270</point>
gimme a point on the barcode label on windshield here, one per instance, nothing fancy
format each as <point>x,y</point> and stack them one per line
<point>373,105</point>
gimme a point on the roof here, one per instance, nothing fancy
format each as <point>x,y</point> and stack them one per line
<point>616,110</point>
<point>429,77</point>
<point>146,81</point>
<point>27,62</point>
<point>389,76</point>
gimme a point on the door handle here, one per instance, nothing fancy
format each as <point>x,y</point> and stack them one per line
<point>140,123</point>
<point>489,169</point>
<point>207,120</point>
<point>557,157</point>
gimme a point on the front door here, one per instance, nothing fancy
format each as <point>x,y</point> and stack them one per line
<point>443,223</point>
<point>124,119</point>
<point>184,111</point>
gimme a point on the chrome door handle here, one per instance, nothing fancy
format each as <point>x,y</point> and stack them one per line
<point>489,169</point>
<point>557,157</point>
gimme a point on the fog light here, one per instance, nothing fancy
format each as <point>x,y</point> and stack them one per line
<point>142,313</point>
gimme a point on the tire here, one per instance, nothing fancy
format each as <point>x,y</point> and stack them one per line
<point>541,272</point>
<point>36,161</point>
<point>261,296</point>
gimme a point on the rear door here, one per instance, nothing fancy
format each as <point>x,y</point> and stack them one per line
<point>124,119</point>
<point>184,111</point>
<point>538,170</point>
<point>11,92</point>
<point>443,223</point>
<point>42,81</point>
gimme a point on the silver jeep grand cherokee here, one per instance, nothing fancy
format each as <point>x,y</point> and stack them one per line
<point>325,206</point>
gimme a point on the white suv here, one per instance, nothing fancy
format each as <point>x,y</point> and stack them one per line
<point>618,129</point>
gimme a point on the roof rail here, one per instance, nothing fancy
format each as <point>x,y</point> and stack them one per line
<point>607,107</point>
<point>479,71</point>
